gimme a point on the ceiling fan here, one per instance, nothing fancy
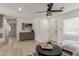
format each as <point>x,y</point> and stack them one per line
<point>49,10</point>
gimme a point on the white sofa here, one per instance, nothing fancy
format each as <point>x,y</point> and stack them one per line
<point>70,43</point>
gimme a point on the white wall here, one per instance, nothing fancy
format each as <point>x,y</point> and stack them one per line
<point>53,26</point>
<point>46,28</point>
<point>41,27</point>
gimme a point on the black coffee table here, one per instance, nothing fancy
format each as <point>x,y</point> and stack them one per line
<point>56,51</point>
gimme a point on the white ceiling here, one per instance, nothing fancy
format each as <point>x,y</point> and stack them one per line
<point>67,7</point>
<point>30,9</point>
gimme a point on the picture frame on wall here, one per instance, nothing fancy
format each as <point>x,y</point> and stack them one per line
<point>27,26</point>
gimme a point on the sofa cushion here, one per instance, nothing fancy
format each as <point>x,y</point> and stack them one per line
<point>70,45</point>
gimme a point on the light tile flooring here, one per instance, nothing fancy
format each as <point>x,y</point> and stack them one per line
<point>18,48</point>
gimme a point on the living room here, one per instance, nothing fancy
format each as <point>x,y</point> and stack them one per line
<point>38,23</point>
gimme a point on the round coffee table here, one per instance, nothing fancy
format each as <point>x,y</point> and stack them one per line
<point>56,51</point>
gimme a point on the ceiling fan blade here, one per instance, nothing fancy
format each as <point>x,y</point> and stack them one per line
<point>49,6</point>
<point>40,11</point>
<point>56,10</point>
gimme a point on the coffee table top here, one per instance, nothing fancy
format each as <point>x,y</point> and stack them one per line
<point>56,51</point>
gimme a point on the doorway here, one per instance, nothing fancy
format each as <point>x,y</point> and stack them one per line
<point>12,32</point>
<point>12,28</point>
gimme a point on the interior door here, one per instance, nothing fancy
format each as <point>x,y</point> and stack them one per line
<point>12,32</point>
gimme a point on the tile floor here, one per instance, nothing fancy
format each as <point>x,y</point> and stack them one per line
<point>18,48</point>
<point>21,48</point>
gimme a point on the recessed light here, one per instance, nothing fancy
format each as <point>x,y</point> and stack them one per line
<point>20,9</point>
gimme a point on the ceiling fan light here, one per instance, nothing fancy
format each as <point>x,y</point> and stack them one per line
<point>49,13</point>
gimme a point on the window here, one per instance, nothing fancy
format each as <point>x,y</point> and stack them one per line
<point>71,26</point>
